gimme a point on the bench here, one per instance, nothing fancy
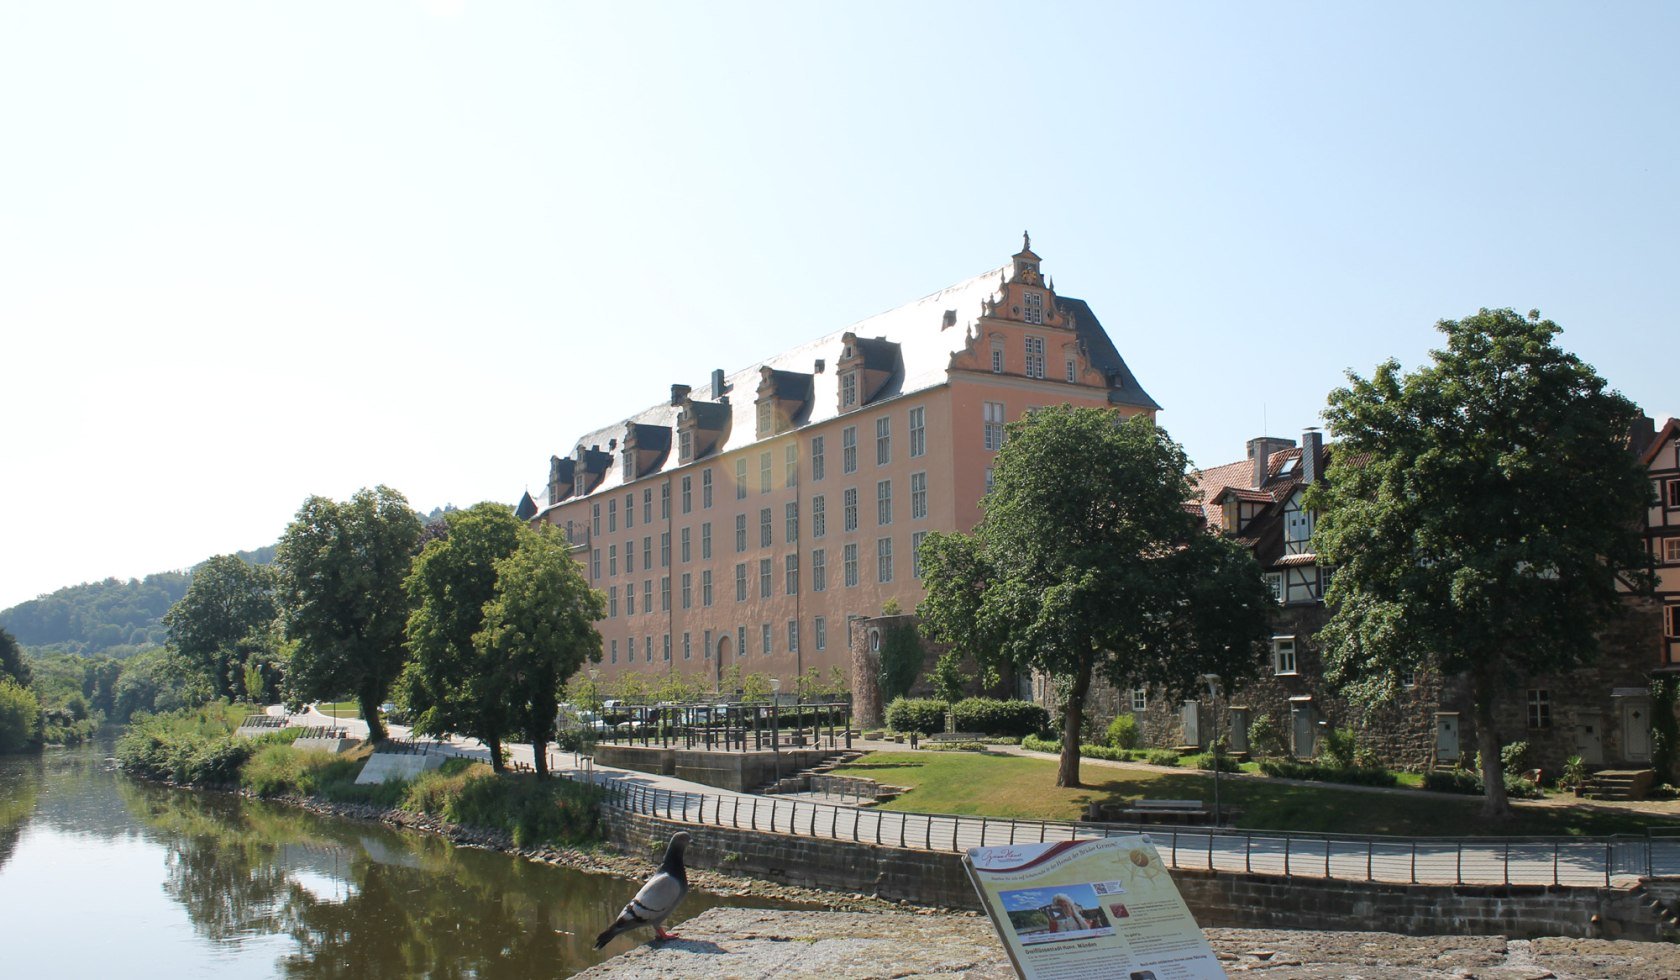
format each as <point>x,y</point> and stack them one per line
<point>1168,811</point>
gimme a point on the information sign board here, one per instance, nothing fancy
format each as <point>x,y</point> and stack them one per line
<point>1090,910</point>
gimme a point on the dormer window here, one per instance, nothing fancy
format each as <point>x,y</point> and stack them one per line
<point>997,358</point>
<point>1034,312</point>
<point>766,418</point>
<point>685,446</point>
<point>848,389</point>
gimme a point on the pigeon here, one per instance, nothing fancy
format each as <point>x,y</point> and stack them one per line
<point>658,897</point>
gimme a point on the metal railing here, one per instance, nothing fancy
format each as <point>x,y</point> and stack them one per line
<point>1438,861</point>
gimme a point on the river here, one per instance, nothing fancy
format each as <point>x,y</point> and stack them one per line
<point>105,876</point>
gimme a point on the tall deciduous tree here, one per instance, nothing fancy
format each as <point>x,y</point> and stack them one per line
<point>342,568</point>
<point>12,662</point>
<point>225,615</point>
<point>538,630</point>
<point>447,683</point>
<point>1479,515</point>
<point>1089,564</point>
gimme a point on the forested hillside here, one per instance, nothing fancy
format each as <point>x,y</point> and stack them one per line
<point>114,617</point>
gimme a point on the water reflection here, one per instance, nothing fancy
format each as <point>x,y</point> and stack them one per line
<point>317,897</point>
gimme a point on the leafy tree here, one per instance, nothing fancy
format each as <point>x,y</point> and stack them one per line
<point>20,717</point>
<point>342,568</point>
<point>1087,563</point>
<point>447,683</point>
<point>12,662</point>
<point>220,622</point>
<point>1485,521</point>
<point>949,681</point>
<point>539,629</point>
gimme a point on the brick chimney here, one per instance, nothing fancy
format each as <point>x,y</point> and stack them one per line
<point>1312,455</point>
<point>1260,450</point>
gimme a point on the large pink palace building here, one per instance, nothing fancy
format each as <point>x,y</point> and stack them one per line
<point>752,518</point>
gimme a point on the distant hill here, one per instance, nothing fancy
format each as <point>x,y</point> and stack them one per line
<point>114,617</point>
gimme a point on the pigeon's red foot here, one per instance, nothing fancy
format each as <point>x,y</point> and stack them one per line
<point>662,935</point>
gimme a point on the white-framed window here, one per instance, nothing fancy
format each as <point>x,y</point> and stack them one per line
<point>740,533</point>
<point>740,581</point>
<point>612,602</point>
<point>705,488</point>
<point>687,546</point>
<point>850,555</point>
<point>764,471</point>
<point>1035,357</point>
<point>768,649</point>
<point>1283,655</point>
<point>1072,371</point>
<point>706,588</point>
<point>630,599</point>
<point>595,518</point>
<point>629,556</point>
<point>1140,699</point>
<point>688,590</point>
<point>629,511</point>
<point>819,571</point>
<point>793,636</point>
<point>997,358</point>
<point>664,549</point>
<point>1539,708</point>
<point>664,593</point>
<point>612,515</point>
<point>994,425</point>
<point>1671,551</point>
<point>1671,493</point>
<point>819,516</point>
<point>647,504</point>
<point>1408,680</point>
<point>1297,531</point>
<point>687,494</point>
<point>647,647</point>
<point>848,389</point>
<point>688,647</point>
<point>918,496</point>
<point>766,528</point>
<point>615,651</point>
<point>821,626</point>
<point>1671,622</point>
<point>918,432</point>
<point>766,418</point>
<point>991,479</point>
<point>792,576</point>
<point>792,521</point>
<point>916,553</point>
<point>665,644</point>
<point>883,503</point>
<point>706,644</point>
<point>1034,307</point>
<point>764,578</point>
<point>850,496</point>
<point>848,449</point>
<point>647,596</point>
<point>685,447</point>
<point>816,458</point>
<point>612,559</point>
<point>741,478</point>
<point>595,563</point>
<point>883,440</point>
<point>1274,581</point>
<point>883,560</point>
<point>741,640</point>
<point>706,541</point>
<point>665,501</point>
<point>790,465</point>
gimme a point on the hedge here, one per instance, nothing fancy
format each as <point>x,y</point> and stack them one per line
<point>990,716</point>
<point>925,715</point>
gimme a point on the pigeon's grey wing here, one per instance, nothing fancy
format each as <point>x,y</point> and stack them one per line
<point>657,898</point>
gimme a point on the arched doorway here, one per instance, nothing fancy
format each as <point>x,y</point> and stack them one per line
<point>723,648</point>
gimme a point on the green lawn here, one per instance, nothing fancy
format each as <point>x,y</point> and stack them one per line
<point>341,709</point>
<point>1025,788</point>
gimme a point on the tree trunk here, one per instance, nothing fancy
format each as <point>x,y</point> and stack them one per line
<point>370,712</point>
<point>539,756</point>
<point>1073,712</point>
<point>1495,805</point>
<point>494,744</point>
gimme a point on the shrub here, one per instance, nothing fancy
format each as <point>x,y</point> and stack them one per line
<point>275,770</point>
<point>1123,732</point>
<point>1352,775</point>
<point>1205,761</point>
<point>1452,781</point>
<point>1266,737</point>
<point>990,716</point>
<point>925,715</point>
<point>1162,757</point>
<point>555,811</point>
<point>1337,749</point>
<point>1035,744</point>
<point>20,717</point>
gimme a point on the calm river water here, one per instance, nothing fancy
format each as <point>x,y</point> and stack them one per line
<point>103,876</point>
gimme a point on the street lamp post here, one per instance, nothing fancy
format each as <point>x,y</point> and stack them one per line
<point>1212,681</point>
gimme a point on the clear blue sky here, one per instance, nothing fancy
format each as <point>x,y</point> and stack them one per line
<point>253,252</point>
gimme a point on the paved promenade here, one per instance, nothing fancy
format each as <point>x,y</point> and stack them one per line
<point>1433,861</point>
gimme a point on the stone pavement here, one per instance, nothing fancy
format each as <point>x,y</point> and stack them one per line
<point>723,943</point>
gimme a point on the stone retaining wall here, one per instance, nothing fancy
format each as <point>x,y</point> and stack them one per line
<point>1233,900</point>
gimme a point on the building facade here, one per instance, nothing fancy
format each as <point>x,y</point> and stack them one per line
<point>751,520</point>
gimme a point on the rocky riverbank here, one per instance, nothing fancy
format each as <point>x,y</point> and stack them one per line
<point>860,946</point>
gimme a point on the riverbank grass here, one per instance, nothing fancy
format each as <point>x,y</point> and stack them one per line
<point>1025,789</point>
